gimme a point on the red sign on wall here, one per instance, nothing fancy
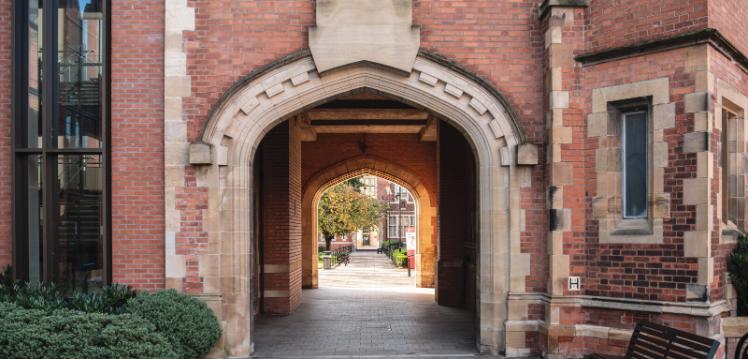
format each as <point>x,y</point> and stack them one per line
<point>410,241</point>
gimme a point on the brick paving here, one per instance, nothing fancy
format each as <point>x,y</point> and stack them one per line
<point>368,309</point>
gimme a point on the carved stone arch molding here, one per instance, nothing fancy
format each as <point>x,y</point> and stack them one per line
<point>275,93</point>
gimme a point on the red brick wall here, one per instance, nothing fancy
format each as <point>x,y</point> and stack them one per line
<point>655,271</point>
<point>281,176</point>
<point>729,17</point>
<point>571,346</point>
<point>498,40</point>
<point>724,69</point>
<point>231,39</point>
<point>191,201</point>
<point>613,23</point>
<point>533,201</point>
<point>5,125</point>
<point>137,143</point>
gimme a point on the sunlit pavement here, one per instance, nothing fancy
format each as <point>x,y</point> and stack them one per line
<point>368,309</point>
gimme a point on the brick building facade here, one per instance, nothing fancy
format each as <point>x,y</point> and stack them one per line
<point>542,140</point>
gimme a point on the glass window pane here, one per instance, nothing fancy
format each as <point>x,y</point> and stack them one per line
<point>80,60</point>
<point>78,242</point>
<point>635,165</point>
<point>33,123</point>
<point>31,214</point>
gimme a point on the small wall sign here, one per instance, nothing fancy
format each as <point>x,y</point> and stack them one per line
<point>575,283</point>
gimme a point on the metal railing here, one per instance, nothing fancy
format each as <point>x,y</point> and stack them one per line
<point>338,255</point>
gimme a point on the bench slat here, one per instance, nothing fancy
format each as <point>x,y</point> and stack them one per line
<point>653,348</point>
<point>681,354</point>
<point>654,341</point>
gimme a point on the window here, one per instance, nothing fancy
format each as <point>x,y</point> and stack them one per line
<point>634,163</point>
<point>731,168</point>
<point>401,195</point>
<point>370,186</point>
<point>393,227</point>
<point>60,140</point>
<point>409,220</point>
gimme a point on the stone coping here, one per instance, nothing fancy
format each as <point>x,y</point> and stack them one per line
<point>696,309</point>
<point>706,36</point>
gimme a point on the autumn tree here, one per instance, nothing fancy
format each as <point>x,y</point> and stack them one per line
<point>343,210</point>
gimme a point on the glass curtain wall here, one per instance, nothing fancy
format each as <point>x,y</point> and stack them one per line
<point>60,141</point>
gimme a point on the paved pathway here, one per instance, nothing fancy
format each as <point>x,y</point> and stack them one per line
<point>367,269</point>
<point>368,309</point>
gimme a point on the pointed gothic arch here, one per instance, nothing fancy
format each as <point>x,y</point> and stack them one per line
<point>366,164</point>
<point>272,94</point>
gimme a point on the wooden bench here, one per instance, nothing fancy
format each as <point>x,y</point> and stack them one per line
<point>653,341</point>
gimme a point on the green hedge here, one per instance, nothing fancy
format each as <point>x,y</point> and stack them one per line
<point>109,322</point>
<point>62,333</point>
<point>185,321</point>
<point>48,297</point>
<point>738,267</point>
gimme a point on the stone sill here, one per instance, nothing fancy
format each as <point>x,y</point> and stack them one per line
<point>730,232</point>
<point>633,227</point>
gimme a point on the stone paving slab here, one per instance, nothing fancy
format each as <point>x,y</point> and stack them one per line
<point>368,309</point>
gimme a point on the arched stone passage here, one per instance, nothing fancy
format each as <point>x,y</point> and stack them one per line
<point>256,104</point>
<point>357,166</point>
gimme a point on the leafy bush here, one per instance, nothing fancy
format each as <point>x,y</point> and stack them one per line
<point>738,267</point>
<point>35,333</point>
<point>399,256</point>
<point>48,296</point>
<point>186,325</point>
<point>185,321</point>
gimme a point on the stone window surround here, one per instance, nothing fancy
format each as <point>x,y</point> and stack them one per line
<point>603,124</point>
<point>730,98</point>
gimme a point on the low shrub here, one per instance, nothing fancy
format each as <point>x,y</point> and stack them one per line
<point>48,296</point>
<point>738,267</point>
<point>185,321</point>
<point>399,257</point>
<point>62,333</point>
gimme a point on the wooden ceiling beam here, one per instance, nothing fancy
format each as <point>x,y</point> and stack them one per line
<point>366,114</point>
<point>429,133</point>
<point>368,128</point>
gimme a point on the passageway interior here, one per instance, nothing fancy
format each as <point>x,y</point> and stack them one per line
<point>368,306</point>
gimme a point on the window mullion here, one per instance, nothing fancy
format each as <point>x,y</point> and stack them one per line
<point>49,97</point>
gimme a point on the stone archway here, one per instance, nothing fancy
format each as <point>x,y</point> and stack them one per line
<point>324,179</point>
<point>273,94</point>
